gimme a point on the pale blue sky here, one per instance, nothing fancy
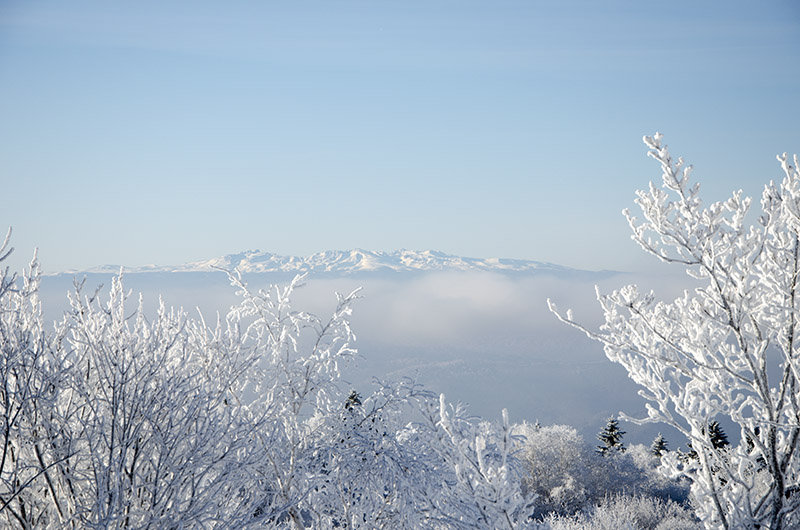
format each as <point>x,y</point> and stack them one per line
<point>165,132</point>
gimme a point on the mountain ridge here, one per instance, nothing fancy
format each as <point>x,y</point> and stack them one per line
<point>343,262</point>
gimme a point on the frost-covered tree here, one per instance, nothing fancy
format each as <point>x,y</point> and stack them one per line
<point>659,446</point>
<point>728,348</point>
<point>117,419</point>
<point>28,387</point>
<point>560,467</point>
<point>293,383</point>
<point>478,483</point>
<point>143,428</point>
<point>611,437</point>
<point>717,436</point>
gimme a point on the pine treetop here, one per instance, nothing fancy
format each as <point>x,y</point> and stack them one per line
<point>717,436</point>
<point>659,446</point>
<point>611,436</point>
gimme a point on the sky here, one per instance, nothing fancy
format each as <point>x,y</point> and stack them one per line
<point>166,132</point>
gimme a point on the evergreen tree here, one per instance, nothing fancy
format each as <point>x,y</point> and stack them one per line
<point>690,456</point>
<point>611,436</point>
<point>353,400</point>
<point>718,438</point>
<point>659,446</point>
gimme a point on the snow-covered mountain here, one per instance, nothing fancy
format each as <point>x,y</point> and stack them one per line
<point>345,262</point>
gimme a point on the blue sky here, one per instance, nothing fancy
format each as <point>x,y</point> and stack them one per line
<point>165,132</point>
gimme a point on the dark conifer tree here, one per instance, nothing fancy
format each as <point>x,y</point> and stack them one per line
<point>717,437</point>
<point>611,436</point>
<point>688,456</point>
<point>659,446</point>
<point>353,400</point>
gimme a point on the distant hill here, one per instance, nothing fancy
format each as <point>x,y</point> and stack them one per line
<point>347,262</point>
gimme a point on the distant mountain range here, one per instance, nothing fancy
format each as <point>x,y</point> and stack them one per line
<point>346,262</point>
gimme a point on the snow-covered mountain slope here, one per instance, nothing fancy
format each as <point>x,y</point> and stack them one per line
<point>345,262</point>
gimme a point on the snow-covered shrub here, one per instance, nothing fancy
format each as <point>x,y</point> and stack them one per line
<point>372,473</point>
<point>559,467</point>
<point>479,479</point>
<point>654,482</point>
<point>637,512</point>
<point>289,392</point>
<point>728,349</point>
<point>567,474</point>
<point>116,419</point>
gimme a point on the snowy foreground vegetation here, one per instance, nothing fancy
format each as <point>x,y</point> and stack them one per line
<point>114,418</point>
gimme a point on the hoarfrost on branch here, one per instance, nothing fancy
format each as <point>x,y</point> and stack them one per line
<point>727,349</point>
